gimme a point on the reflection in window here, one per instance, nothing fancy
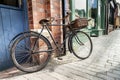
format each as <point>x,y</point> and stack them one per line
<point>80,7</point>
<point>92,9</point>
<point>111,14</point>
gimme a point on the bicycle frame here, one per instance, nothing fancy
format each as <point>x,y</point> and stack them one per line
<point>59,47</point>
<point>48,30</point>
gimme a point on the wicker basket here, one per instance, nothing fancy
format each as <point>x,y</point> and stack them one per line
<point>79,23</point>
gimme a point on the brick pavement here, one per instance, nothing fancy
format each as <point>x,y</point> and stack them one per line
<point>103,64</point>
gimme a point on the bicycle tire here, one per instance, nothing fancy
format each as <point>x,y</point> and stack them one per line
<point>28,59</point>
<point>80,44</point>
<point>17,36</point>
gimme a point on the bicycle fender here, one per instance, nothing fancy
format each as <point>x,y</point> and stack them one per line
<point>69,45</point>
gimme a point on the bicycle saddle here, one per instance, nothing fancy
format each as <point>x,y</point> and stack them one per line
<point>42,21</point>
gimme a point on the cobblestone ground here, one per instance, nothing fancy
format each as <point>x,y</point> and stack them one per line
<point>103,64</point>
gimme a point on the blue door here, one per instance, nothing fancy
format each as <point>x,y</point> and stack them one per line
<point>12,21</point>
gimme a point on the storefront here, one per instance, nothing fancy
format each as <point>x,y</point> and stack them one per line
<point>117,17</point>
<point>110,14</point>
<point>96,12</point>
<point>79,7</point>
<point>103,12</point>
<point>91,9</point>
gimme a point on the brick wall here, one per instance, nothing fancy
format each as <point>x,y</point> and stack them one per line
<point>36,10</point>
<point>39,9</point>
<point>30,14</point>
<point>56,12</point>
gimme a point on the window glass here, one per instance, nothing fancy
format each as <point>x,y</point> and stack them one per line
<point>80,7</point>
<point>14,3</point>
<point>92,10</point>
<point>111,13</point>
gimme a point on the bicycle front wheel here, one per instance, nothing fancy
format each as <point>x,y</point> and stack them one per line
<point>31,52</point>
<point>81,44</point>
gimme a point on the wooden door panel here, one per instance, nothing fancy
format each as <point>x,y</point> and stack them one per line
<point>2,47</point>
<point>11,23</point>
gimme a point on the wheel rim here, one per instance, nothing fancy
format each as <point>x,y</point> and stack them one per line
<point>81,45</point>
<point>24,53</point>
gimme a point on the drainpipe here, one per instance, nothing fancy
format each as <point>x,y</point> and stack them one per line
<point>107,22</point>
<point>64,29</point>
<point>72,7</point>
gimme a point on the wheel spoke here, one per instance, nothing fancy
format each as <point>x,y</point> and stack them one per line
<point>29,60</point>
<point>27,42</point>
<point>27,48</point>
<point>21,58</point>
<point>81,45</point>
<point>21,51</point>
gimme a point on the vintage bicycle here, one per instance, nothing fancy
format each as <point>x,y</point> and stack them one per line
<point>31,51</point>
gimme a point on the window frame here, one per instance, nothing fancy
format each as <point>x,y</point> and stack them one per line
<point>20,4</point>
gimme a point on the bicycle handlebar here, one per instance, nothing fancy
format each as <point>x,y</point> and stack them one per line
<point>51,19</point>
<point>58,19</point>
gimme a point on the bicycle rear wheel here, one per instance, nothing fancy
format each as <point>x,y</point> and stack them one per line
<point>81,45</point>
<point>31,52</point>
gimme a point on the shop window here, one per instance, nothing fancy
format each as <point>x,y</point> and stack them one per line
<point>92,10</point>
<point>14,3</point>
<point>111,15</point>
<point>80,7</point>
